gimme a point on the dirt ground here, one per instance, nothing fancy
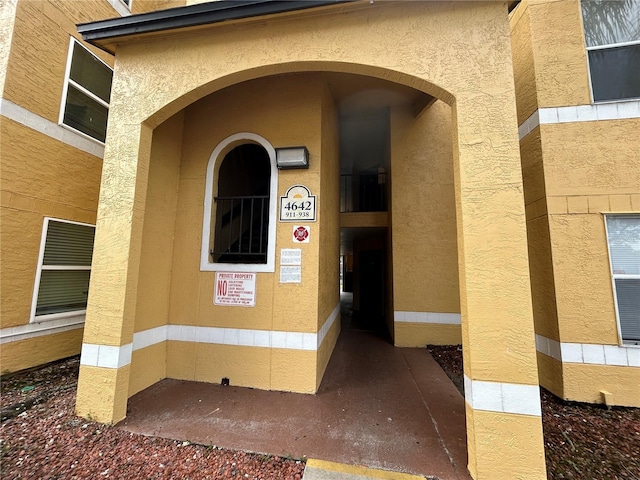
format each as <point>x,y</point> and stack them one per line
<point>43,439</point>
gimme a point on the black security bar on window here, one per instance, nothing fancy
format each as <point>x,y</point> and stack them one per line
<point>241,230</point>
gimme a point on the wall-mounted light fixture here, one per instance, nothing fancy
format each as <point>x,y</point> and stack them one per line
<point>292,157</point>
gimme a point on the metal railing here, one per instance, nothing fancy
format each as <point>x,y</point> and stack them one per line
<point>241,229</point>
<point>363,192</point>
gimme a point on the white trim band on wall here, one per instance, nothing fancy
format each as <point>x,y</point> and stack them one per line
<point>503,397</point>
<point>427,317</point>
<point>50,129</point>
<point>591,354</point>
<point>116,357</point>
<point>580,113</point>
<point>39,329</point>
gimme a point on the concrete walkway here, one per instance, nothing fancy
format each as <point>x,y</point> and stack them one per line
<point>378,406</point>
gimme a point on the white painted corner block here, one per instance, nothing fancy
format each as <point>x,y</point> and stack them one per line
<point>444,318</point>
<point>503,397</point>
<point>106,356</point>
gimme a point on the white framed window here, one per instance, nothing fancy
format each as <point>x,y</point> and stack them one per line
<point>612,38</point>
<point>623,237</point>
<point>240,207</point>
<point>86,94</point>
<point>64,267</point>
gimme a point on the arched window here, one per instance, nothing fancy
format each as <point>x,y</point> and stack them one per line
<point>240,202</point>
<point>242,206</point>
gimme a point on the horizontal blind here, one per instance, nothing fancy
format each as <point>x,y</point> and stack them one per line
<point>624,244</point>
<point>68,244</point>
<point>62,291</point>
<point>64,279</point>
<point>628,297</point>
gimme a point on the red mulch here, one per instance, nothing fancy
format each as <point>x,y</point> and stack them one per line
<point>48,441</point>
<point>582,441</point>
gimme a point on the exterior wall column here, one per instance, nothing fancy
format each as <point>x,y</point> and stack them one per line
<point>103,383</point>
<point>504,427</point>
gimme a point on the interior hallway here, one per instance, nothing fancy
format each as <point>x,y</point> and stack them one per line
<point>377,406</point>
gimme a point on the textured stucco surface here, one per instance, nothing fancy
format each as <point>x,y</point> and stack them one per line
<point>264,368</point>
<point>573,172</point>
<point>523,62</point>
<point>467,64</point>
<point>328,210</point>
<point>22,354</point>
<point>581,262</point>
<point>102,393</point>
<point>7,21</point>
<point>425,260</point>
<point>30,162</point>
<point>143,6</point>
<point>523,459</point>
<point>152,306</point>
<point>39,176</point>
<point>421,334</point>
<point>38,59</point>
<point>597,160</point>
<point>148,366</point>
<point>245,109</point>
<point>551,374</point>
<point>559,53</point>
<point>585,382</point>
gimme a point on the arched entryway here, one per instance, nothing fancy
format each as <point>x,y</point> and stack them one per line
<point>155,115</point>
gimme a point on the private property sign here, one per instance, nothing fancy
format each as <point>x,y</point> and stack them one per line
<point>235,289</point>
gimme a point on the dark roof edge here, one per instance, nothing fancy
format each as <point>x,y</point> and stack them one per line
<point>193,15</point>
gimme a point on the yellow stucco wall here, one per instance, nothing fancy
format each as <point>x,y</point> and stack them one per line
<point>325,351</point>
<point>329,211</point>
<point>38,59</point>
<point>538,237</point>
<point>595,173</point>
<point>245,108</point>
<point>156,258</point>
<point>425,259</point>
<point>584,383</point>
<point>172,289</point>
<point>149,66</point>
<point>27,353</point>
<point>102,392</point>
<point>551,374</point>
<point>7,21</point>
<point>148,366</point>
<point>144,6</point>
<point>523,460</point>
<point>421,334</point>
<point>573,173</point>
<point>39,176</point>
<point>470,53</point>
<point>550,62</point>
<point>31,166</point>
<point>523,63</point>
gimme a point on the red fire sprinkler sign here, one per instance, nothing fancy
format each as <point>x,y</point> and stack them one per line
<point>300,234</point>
<point>235,289</point>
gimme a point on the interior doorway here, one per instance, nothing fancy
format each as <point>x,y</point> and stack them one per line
<point>364,204</point>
